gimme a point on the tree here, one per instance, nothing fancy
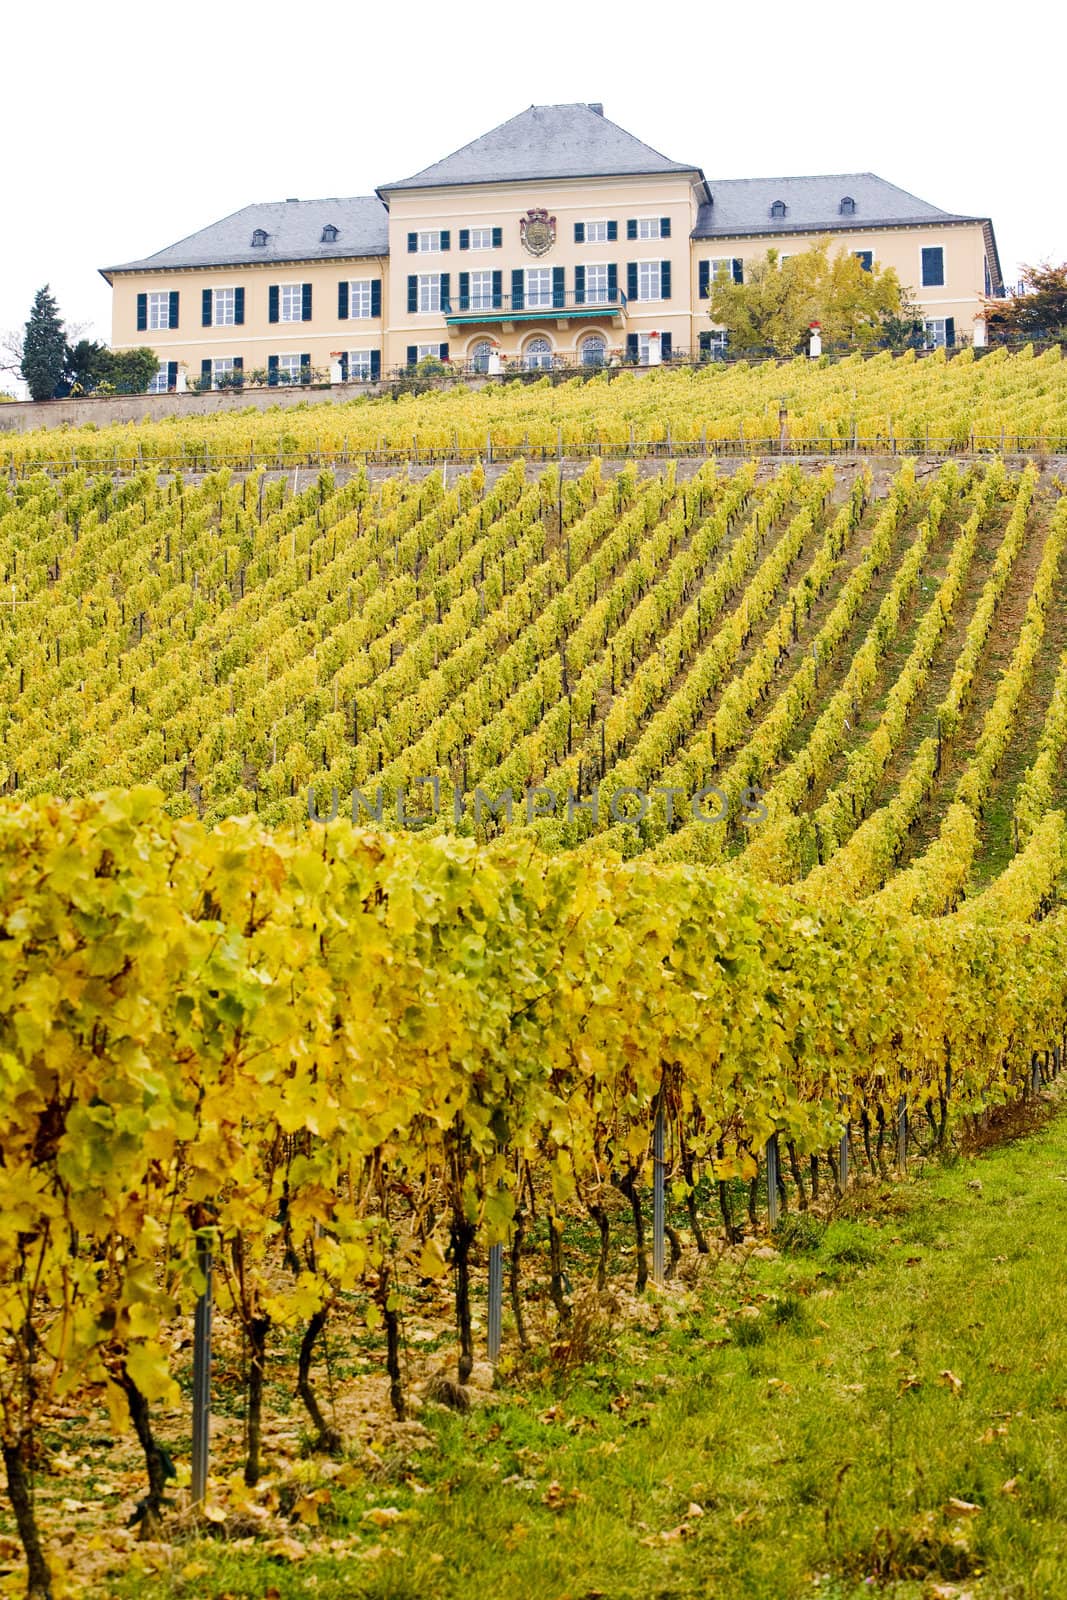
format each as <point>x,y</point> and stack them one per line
<point>773,309</point>
<point>91,368</point>
<point>44,347</point>
<point>1039,313</point>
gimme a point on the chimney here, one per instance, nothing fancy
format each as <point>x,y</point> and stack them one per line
<point>291,200</point>
<point>597,106</point>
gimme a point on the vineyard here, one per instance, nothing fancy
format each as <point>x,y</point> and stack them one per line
<point>503,879</point>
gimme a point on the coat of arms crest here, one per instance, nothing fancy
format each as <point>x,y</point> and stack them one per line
<point>538,231</point>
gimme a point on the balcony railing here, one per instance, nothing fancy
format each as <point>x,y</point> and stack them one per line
<point>569,303</point>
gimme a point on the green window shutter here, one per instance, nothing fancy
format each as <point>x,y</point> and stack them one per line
<point>375,365</point>
<point>238,307</point>
<point>498,238</point>
<point>413,243</point>
<point>464,238</point>
<point>342,362</point>
<point>631,280</point>
<point>413,355</point>
<point>579,233</point>
<point>950,332</point>
<point>272,371</point>
<point>305,303</point>
<point>205,367</point>
<point>664,227</point>
<point>446,290</point>
<point>579,286</point>
<point>464,291</point>
<point>413,292</point>
<point>446,239</point>
<point>205,308</point>
<point>272,303</point>
<point>631,228</point>
<point>342,300</point>
<point>142,313</point>
<point>518,296</point>
<point>613,281</point>
<point>613,232</point>
<point>666,344</point>
<point>239,367</point>
<point>865,259</point>
<point>498,290</point>
<point>376,297</point>
<point>664,280</point>
<point>703,279</point>
<point>559,287</point>
<point>633,349</point>
<point>443,352</point>
<point>739,269</point>
<point>933,267</point>
<point>705,344</point>
<point>305,364</point>
<point>172,319</point>
<point>172,374</point>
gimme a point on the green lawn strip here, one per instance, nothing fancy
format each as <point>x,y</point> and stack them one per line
<point>822,1409</point>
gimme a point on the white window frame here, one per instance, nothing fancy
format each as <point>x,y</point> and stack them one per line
<point>596,232</point>
<point>650,227</point>
<point>159,309</point>
<point>726,275</point>
<point>290,372</point>
<point>429,296</point>
<point>543,302</point>
<point>359,366</point>
<point>359,298</point>
<point>159,384</point>
<point>428,241</point>
<point>590,341</point>
<point>644,345</point>
<point>935,335</point>
<point>290,302</point>
<point>540,364</point>
<point>221,367</point>
<point>429,352</point>
<point>481,298</point>
<point>650,280</point>
<point>481,238</point>
<point>596,296</point>
<point>224,307</point>
<point>481,351</point>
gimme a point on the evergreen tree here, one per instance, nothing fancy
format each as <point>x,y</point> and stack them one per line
<point>44,349</point>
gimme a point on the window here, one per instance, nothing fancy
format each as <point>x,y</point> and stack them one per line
<point>329,234</point>
<point>933,266</point>
<point>593,350</point>
<point>290,368</point>
<point>649,280</point>
<point>480,355</point>
<point>721,269</point>
<point>429,297</point>
<point>713,344</point>
<point>649,227</point>
<point>597,232</point>
<point>597,291</point>
<point>778,210</point>
<point>159,310</point>
<point>223,307</point>
<point>291,302</point>
<point>538,353</point>
<point>259,238</point>
<point>481,239</point>
<point>361,365</point>
<point>538,287</point>
<point>940,332</point>
<point>481,291</point>
<point>847,207</point>
<point>476,239</point>
<point>429,351</point>
<point>865,259</point>
<point>221,368</point>
<point>161,382</point>
<point>429,239</point>
<point>359,298</point>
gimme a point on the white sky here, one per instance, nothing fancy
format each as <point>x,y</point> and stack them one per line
<point>242,103</point>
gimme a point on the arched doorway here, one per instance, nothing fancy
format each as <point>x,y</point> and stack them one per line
<point>593,351</point>
<point>538,354</point>
<point>480,354</point>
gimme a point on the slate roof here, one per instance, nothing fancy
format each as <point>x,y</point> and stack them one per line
<point>743,205</point>
<point>294,233</point>
<point>569,141</point>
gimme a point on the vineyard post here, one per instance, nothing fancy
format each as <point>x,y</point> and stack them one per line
<point>496,1300</point>
<point>772,1181</point>
<point>658,1197</point>
<point>202,1381</point>
<point>843,1153</point>
<point>1035,1072</point>
<point>902,1133</point>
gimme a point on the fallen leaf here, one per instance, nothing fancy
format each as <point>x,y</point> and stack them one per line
<point>383,1516</point>
<point>286,1549</point>
<point>950,1380</point>
<point>1010,1486</point>
<point>960,1508</point>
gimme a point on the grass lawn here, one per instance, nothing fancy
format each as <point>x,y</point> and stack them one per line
<point>881,1407</point>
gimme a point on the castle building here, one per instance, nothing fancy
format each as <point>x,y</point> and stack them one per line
<point>557,238</point>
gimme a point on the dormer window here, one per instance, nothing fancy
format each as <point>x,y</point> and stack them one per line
<point>259,238</point>
<point>848,206</point>
<point>329,234</point>
<point>778,210</point>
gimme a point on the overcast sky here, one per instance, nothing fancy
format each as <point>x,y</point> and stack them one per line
<point>126,126</point>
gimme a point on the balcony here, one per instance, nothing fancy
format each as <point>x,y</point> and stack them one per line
<point>505,310</point>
